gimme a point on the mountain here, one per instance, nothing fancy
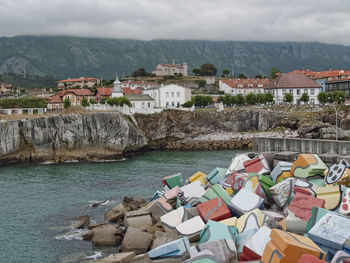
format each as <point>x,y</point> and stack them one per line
<point>63,57</point>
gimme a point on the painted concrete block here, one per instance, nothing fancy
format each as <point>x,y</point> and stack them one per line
<point>317,214</point>
<point>242,238</point>
<point>253,184</point>
<point>216,191</point>
<point>250,220</point>
<point>310,259</point>
<point>235,181</point>
<point>191,193</point>
<point>305,187</point>
<point>224,250</point>
<point>172,193</point>
<point>216,175</point>
<point>340,256</point>
<point>237,163</point>
<point>173,180</point>
<point>336,172</point>
<point>159,207</point>
<point>232,221</point>
<point>191,228</point>
<point>216,231</point>
<point>200,176</point>
<point>282,192</point>
<point>205,256</point>
<point>245,201</point>
<point>254,248</point>
<point>308,165</point>
<point>332,196</point>
<point>214,209</point>
<point>258,165</point>
<point>266,182</point>
<point>175,249</point>
<point>288,247</point>
<point>345,203</point>
<point>174,218</point>
<point>281,171</point>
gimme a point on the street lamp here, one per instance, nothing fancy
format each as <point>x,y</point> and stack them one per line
<point>336,109</point>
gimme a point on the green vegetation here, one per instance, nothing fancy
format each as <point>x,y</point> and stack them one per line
<point>225,72</point>
<point>208,70</point>
<point>322,97</point>
<point>288,97</point>
<point>66,103</point>
<point>120,101</point>
<point>141,72</point>
<point>305,98</point>
<point>31,102</point>
<point>84,102</point>
<point>330,97</point>
<point>93,101</point>
<point>242,76</point>
<point>202,101</point>
<point>251,98</point>
<point>188,104</point>
<point>269,97</point>
<point>196,71</point>
<point>240,99</point>
<point>103,100</point>
<point>273,72</point>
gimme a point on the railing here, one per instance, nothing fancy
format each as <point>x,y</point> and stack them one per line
<point>28,111</point>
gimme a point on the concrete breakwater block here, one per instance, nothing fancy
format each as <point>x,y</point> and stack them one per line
<point>174,180</point>
<point>174,218</point>
<point>242,238</point>
<point>136,240</point>
<point>159,207</point>
<point>254,248</point>
<point>223,250</point>
<point>345,203</point>
<point>215,231</point>
<point>172,193</point>
<point>235,181</point>
<point>214,209</point>
<point>266,182</point>
<point>332,196</point>
<point>245,201</point>
<point>305,187</point>
<point>205,256</point>
<point>253,184</point>
<point>308,165</point>
<point>310,259</point>
<point>257,165</point>
<point>281,192</point>
<point>162,238</point>
<point>336,172</point>
<point>191,228</point>
<point>237,163</point>
<point>281,171</point>
<point>331,230</point>
<point>232,221</point>
<point>317,214</point>
<point>115,213</point>
<point>214,192</point>
<point>140,219</point>
<point>200,176</point>
<point>118,258</point>
<point>106,235</point>
<point>340,256</point>
<point>289,247</point>
<point>216,175</point>
<point>191,193</point>
<point>250,220</point>
<point>175,249</point>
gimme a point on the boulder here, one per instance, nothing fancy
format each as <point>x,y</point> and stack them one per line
<point>140,219</point>
<point>84,221</point>
<point>119,258</point>
<point>131,204</point>
<point>142,258</point>
<point>106,235</point>
<point>136,240</point>
<point>88,235</point>
<point>91,226</point>
<point>156,227</point>
<point>163,238</point>
<point>115,213</point>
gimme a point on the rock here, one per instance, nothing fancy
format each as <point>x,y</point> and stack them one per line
<point>140,219</point>
<point>84,221</point>
<point>142,258</point>
<point>136,240</point>
<point>88,235</point>
<point>91,226</point>
<point>99,203</point>
<point>163,238</point>
<point>131,205</point>
<point>118,258</point>
<point>115,213</point>
<point>106,235</point>
<point>156,227</point>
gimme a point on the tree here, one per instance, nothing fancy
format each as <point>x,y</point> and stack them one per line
<point>337,96</point>
<point>84,102</point>
<point>322,97</point>
<point>240,100</point>
<point>141,72</point>
<point>103,100</point>
<point>269,97</point>
<point>124,100</point>
<point>66,103</point>
<point>259,76</point>
<point>250,98</point>
<point>261,98</point>
<point>305,98</point>
<point>225,72</point>
<point>273,72</point>
<point>93,101</point>
<point>202,101</point>
<point>112,101</point>
<point>242,76</point>
<point>188,104</point>
<point>196,71</point>
<point>208,70</point>
<point>201,83</point>
<point>288,97</point>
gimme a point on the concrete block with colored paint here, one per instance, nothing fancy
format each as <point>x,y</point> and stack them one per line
<point>310,259</point>
<point>216,191</point>
<point>308,165</point>
<point>281,171</point>
<point>253,184</point>
<point>254,248</point>
<point>250,220</point>
<point>242,238</point>
<point>258,165</point>
<point>345,203</point>
<point>235,181</point>
<point>215,231</point>
<point>237,163</point>
<point>245,201</point>
<point>281,193</point>
<point>174,180</point>
<point>232,221</point>
<point>174,218</point>
<point>305,187</point>
<point>191,228</point>
<point>175,249</point>
<point>214,209</point>
<point>317,214</point>
<point>216,175</point>
<point>338,173</point>
<point>191,193</point>
<point>340,256</point>
<point>266,182</point>
<point>285,247</point>
<point>200,176</point>
<point>332,196</point>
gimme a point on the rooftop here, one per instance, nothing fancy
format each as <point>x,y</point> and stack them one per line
<point>139,97</point>
<point>288,80</point>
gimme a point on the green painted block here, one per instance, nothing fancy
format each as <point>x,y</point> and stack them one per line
<point>216,175</point>
<point>214,192</point>
<point>266,182</point>
<point>174,180</point>
<point>319,182</point>
<point>216,231</point>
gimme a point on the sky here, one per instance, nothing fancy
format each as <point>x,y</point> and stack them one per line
<point>325,21</point>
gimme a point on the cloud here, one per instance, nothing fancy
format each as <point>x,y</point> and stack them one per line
<point>243,20</point>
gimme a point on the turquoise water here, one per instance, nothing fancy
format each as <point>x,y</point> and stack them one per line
<point>37,201</point>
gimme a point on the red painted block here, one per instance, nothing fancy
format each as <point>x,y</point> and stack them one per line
<point>257,165</point>
<point>214,209</point>
<point>302,205</point>
<point>310,259</point>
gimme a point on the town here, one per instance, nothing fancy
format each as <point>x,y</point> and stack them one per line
<point>169,86</point>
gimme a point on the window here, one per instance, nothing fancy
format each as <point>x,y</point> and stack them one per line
<point>56,106</point>
<point>167,94</point>
<point>172,94</point>
<point>172,104</point>
<point>133,104</point>
<point>178,104</point>
<point>312,91</point>
<point>312,101</point>
<point>291,91</point>
<point>167,104</point>
<point>178,94</point>
<point>283,91</point>
<point>298,91</point>
<point>305,91</point>
<point>149,105</point>
<point>143,105</point>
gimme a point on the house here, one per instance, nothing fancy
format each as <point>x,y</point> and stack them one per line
<point>55,102</point>
<point>140,102</point>
<point>243,86</point>
<point>296,84</point>
<point>6,89</point>
<point>169,96</point>
<point>339,85</point>
<point>138,84</point>
<point>103,92</point>
<point>78,82</point>
<point>170,69</point>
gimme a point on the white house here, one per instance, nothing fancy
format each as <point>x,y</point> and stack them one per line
<point>117,88</point>
<point>243,86</point>
<point>296,84</point>
<point>169,96</point>
<point>141,102</point>
<point>138,84</point>
<point>170,69</point>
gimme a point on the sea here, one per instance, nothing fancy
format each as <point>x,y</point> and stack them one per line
<point>37,202</point>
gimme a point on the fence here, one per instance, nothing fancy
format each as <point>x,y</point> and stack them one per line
<point>29,111</point>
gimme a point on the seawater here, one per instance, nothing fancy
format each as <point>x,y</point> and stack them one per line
<point>38,201</point>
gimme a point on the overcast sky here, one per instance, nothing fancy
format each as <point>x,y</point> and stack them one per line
<point>270,20</point>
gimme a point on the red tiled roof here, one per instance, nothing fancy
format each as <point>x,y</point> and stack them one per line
<point>76,80</point>
<point>338,80</point>
<point>102,91</point>
<point>246,83</point>
<point>322,74</point>
<point>293,81</point>
<point>129,91</point>
<point>78,92</point>
<point>55,99</point>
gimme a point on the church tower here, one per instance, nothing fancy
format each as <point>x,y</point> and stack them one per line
<point>117,88</point>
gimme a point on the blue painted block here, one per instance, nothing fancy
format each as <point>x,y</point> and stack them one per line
<point>216,175</point>
<point>216,231</point>
<point>177,248</point>
<point>331,231</point>
<point>242,238</point>
<point>328,251</point>
<point>279,169</point>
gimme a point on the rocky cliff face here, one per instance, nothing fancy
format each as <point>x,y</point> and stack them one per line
<point>66,137</point>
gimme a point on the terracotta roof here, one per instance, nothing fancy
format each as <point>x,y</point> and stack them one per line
<point>338,80</point>
<point>76,80</point>
<point>246,83</point>
<point>293,81</point>
<point>322,74</point>
<point>78,92</point>
<point>102,91</point>
<point>129,91</point>
<point>55,99</point>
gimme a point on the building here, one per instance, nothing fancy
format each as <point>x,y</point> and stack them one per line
<point>77,83</point>
<point>243,86</point>
<point>339,85</point>
<point>170,69</point>
<point>6,89</point>
<point>103,92</point>
<point>55,102</point>
<point>117,88</point>
<point>140,102</point>
<point>169,96</point>
<point>138,84</point>
<point>296,84</point>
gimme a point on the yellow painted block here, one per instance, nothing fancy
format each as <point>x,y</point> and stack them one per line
<point>331,194</point>
<point>232,221</point>
<point>253,219</point>
<point>283,224</point>
<point>284,175</point>
<point>199,176</point>
<point>229,191</point>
